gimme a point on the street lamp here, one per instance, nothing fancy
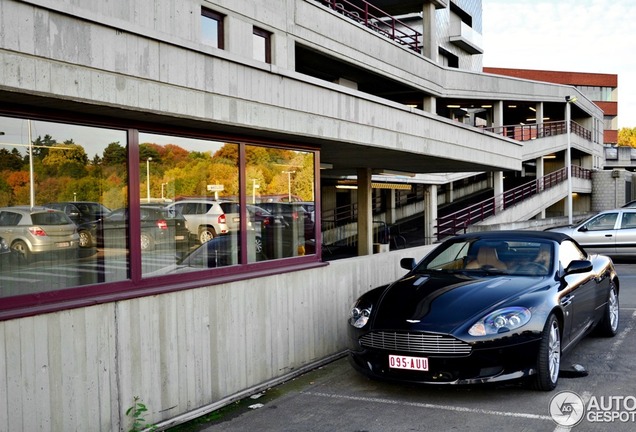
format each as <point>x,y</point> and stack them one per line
<point>148,178</point>
<point>289,173</point>
<point>568,155</point>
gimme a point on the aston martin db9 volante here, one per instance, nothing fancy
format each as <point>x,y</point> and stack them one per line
<point>485,307</point>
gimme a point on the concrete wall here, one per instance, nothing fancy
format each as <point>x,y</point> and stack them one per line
<point>609,188</point>
<point>179,352</point>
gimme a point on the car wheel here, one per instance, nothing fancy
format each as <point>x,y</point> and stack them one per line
<point>258,245</point>
<point>609,324</point>
<point>85,240</point>
<point>147,242</point>
<point>549,357</point>
<point>206,234</point>
<point>22,251</point>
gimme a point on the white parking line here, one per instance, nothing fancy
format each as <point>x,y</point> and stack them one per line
<point>620,339</point>
<point>433,406</point>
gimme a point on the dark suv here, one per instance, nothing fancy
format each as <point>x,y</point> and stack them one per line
<point>80,211</point>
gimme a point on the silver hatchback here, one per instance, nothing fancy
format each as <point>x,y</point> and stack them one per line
<point>38,230</point>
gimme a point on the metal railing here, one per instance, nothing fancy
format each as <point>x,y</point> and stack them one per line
<point>541,130</point>
<point>458,222</point>
<point>378,20</point>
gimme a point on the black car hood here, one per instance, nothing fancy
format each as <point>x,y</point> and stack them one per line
<point>442,303</point>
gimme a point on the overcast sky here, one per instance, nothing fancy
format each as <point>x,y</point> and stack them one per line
<point>597,36</point>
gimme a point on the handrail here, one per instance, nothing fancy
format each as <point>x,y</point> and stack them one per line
<point>376,19</point>
<point>540,130</point>
<point>457,222</point>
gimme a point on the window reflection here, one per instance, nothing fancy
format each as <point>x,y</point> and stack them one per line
<point>59,179</point>
<point>196,181</point>
<point>281,194</point>
<point>65,217</point>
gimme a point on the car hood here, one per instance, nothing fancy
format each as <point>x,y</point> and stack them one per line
<point>443,303</point>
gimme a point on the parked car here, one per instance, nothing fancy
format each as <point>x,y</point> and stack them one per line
<point>263,218</point>
<point>81,211</point>
<point>208,218</point>
<point>38,230</point>
<point>159,226</point>
<point>611,232</point>
<point>482,308</point>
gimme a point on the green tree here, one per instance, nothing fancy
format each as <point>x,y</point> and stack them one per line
<point>115,154</point>
<point>10,160</point>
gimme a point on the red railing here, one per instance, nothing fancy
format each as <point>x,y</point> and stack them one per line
<point>459,221</point>
<point>378,20</point>
<point>541,130</point>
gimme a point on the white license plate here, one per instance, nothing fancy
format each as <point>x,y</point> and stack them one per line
<point>62,244</point>
<point>409,363</point>
<point>179,237</point>
<point>237,219</point>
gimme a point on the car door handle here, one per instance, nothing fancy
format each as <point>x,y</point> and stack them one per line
<point>608,235</point>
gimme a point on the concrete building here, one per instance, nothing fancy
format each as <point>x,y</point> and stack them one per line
<point>255,103</point>
<point>602,89</point>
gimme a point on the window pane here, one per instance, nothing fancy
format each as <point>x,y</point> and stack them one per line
<point>260,48</point>
<point>189,190</point>
<point>210,31</point>
<point>280,202</point>
<point>52,218</point>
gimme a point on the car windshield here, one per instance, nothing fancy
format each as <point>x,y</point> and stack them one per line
<point>511,257</point>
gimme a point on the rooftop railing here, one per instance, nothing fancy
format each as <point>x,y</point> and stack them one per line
<point>376,19</point>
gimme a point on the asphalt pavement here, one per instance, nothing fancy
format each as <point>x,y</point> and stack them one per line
<point>336,398</point>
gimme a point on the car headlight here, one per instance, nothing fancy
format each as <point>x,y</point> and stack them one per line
<point>4,246</point>
<point>501,321</point>
<point>359,316</point>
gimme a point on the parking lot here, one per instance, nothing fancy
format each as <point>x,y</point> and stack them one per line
<point>336,398</point>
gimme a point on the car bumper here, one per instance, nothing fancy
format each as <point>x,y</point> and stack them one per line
<point>482,365</point>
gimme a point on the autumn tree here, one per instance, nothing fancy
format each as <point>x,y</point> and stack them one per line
<point>627,137</point>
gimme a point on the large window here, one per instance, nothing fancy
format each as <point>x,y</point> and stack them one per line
<point>75,211</point>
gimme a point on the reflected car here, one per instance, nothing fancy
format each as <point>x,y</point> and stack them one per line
<point>208,218</point>
<point>159,227</point>
<point>81,211</point>
<point>259,217</point>
<point>611,232</point>
<point>485,307</point>
<point>220,251</point>
<point>36,230</point>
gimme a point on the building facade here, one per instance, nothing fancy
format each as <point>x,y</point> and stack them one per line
<point>252,112</point>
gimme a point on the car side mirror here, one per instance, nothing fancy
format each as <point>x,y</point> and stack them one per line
<point>407,263</point>
<point>579,266</point>
<point>583,229</point>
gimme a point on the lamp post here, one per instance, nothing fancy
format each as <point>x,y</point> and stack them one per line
<point>148,178</point>
<point>568,155</point>
<point>289,173</point>
<point>162,185</point>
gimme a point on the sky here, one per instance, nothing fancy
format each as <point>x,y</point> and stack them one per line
<point>596,36</point>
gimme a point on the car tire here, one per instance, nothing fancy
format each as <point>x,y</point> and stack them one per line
<point>549,356</point>
<point>85,240</point>
<point>147,242</point>
<point>608,326</point>
<point>22,251</point>
<point>206,234</point>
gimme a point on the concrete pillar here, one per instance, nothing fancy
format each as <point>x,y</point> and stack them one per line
<point>539,112</point>
<point>497,114</point>
<point>540,174</point>
<point>365,216</point>
<point>498,187</point>
<point>390,210</point>
<point>429,39</point>
<point>429,104</point>
<point>430,214</point>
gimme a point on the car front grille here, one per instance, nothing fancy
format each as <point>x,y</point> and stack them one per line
<point>425,343</point>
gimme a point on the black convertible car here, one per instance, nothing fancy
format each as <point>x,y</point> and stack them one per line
<point>485,307</point>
